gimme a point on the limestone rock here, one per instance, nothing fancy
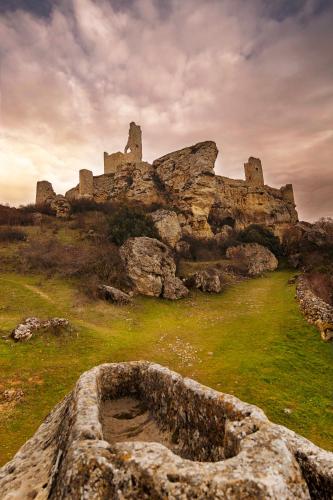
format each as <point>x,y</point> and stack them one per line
<point>25,330</point>
<point>256,258</point>
<point>61,206</point>
<point>167,226</point>
<point>207,280</point>
<point>224,233</point>
<point>150,266</point>
<point>199,443</point>
<point>187,177</point>
<point>115,295</point>
<point>316,310</point>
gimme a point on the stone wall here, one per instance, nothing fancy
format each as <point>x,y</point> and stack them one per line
<point>219,446</point>
<point>44,192</point>
<point>314,308</point>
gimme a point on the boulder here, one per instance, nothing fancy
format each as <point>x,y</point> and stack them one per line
<point>167,225</point>
<point>115,295</point>
<point>207,280</point>
<point>256,258</point>
<point>190,442</point>
<point>150,266</point>
<point>188,180</point>
<point>25,330</point>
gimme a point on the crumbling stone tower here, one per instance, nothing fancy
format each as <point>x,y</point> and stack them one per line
<point>134,145</point>
<point>253,172</point>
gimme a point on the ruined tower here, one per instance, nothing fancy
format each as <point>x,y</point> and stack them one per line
<point>134,145</point>
<point>253,172</point>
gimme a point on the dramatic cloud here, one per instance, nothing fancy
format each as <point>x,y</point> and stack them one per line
<point>258,80</point>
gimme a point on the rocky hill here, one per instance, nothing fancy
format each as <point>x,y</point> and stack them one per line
<point>185,181</point>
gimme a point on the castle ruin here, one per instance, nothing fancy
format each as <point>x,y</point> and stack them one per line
<point>185,180</point>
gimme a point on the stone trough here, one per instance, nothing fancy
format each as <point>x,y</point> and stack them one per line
<point>138,430</point>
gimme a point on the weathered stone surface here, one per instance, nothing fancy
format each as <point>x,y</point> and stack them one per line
<point>86,186</point>
<point>134,144</point>
<point>256,258</point>
<point>220,447</point>
<point>114,294</point>
<point>314,308</point>
<point>61,206</point>
<point>247,204</point>
<point>44,192</point>
<point>167,225</point>
<point>224,233</point>
<point>207,280</point>
<point>25,330</point>
<point>151,268</point>
<point>187,176</point>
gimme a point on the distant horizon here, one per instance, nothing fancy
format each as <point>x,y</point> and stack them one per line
<point>255,78</point>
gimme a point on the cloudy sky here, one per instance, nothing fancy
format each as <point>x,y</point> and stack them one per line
<point>256,76</point>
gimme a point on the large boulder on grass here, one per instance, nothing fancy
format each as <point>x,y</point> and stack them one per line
<point>150,266</point>
<point>207,280</point>
<point>254,257</point>
<point>30,326</point>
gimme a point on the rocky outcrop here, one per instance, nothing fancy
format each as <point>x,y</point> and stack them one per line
<point>150,266</point>
<point>256,259</point>
<point>61,206</point>
<point>167,226</point>
<point>245,203</point>
<point>25,330</point>
<point>114,295</point>
<point>207,280</point>
<point>188,179</point>
<point>314,308</point>
<point>193,442</point>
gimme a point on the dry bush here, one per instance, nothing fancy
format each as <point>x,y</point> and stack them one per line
<point>10,235</point>
<point>11,216</point>
<point>90,264</point>
<point>322,285</point>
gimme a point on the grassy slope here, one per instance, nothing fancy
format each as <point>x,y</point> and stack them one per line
<point>250,341</point>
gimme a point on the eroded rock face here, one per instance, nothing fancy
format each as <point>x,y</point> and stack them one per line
<point>256,258</point>
<point>188,178</point>
<point>220,446</point>
<point>61,206</point>
<point>150,266</point>
<point>167,225</point>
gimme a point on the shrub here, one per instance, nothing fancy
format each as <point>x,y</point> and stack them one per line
<point>126,222</point>
<point>11,216</point>
<point>261,235</point>
<point>8,235</point>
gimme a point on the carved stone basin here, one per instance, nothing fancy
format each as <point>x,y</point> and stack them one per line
<point>140,431</point>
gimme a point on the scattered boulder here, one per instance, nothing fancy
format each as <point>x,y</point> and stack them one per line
<point>25,330</point>
<point>167,225</point>
<point>10,395</point>
<point>207,280</point>
<point>199,443</point>
<point>115,295</point>
<point>150,266</point>
<point>256,258</point>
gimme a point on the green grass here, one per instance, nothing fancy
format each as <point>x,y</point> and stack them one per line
<point>250,341</point>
